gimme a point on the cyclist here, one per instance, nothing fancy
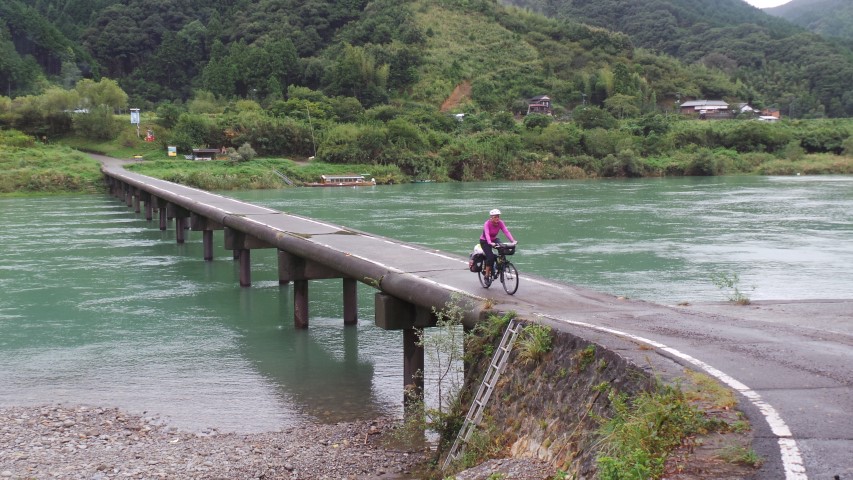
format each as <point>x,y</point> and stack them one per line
<point>493,226</point>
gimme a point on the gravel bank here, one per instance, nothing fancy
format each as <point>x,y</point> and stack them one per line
<point>60,442</point>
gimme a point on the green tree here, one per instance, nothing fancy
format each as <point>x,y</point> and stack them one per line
<point>356,74</point>
<point>622,105</point>
<point>103,93</point>
<point>594,117</point>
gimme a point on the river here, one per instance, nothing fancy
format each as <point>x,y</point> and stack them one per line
<point>100,307</point>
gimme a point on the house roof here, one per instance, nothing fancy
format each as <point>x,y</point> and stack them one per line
<point>705,103</point>
<point>540,98</point>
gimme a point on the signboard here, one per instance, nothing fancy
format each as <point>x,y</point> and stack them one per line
<point>134,116</point>
<point>173,151</point>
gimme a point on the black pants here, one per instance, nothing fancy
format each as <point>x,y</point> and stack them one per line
<point>490,255</point>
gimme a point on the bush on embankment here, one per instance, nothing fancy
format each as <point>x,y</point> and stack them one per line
<point>28,166</point>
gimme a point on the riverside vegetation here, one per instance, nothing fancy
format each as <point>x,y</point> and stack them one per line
<point>405,143</point>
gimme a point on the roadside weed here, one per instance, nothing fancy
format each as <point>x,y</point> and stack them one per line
<point>731,283</point>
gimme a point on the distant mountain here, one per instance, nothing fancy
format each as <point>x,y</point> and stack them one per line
<point>791,68</point>
<point>829,18</point>
<point>644,52</point>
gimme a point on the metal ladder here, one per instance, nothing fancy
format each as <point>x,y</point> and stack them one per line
<point>283,177</point>
<point>475,413</point>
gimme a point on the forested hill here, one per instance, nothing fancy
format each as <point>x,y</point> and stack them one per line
<point>419,50</point>
<point>829,18</point>
<point>794,69</point>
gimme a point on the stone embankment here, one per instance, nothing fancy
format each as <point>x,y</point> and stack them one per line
<point>550,410</point>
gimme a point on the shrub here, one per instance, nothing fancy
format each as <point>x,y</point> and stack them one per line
<point>537,120</point>
<point>533,343</point>
<point>589,117</point>
<point>191,131</point>
<point>168,115</point>
<point>14,138</point>
<point>246,152</point>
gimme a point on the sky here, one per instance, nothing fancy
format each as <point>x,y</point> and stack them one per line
<point>766,3</point>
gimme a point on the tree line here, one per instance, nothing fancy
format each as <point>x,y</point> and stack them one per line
<point>385,51</point>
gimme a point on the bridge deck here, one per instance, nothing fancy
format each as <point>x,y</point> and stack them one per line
<point>795,376</point>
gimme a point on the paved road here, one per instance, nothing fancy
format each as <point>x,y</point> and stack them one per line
<point>791,362</point>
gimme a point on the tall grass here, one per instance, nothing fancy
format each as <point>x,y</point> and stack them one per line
<point>255,174</point>
<point>38,168</point>
<point>643,430</point>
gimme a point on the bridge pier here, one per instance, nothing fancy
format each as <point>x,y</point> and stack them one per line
<point>135,199</point>
<point>162,212</point>
<point>292,268</point>
<point>395,314</point>
<point>300,304</point>
<point>180,215</point>
<point>206,226</point>
<point>242,243</point>
<point>149,208</point>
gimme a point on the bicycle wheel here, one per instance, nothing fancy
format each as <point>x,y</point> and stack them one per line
<point>509,278</point>
<point>485,281</point>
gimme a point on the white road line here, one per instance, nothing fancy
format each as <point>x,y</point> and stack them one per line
<point>792,461</point>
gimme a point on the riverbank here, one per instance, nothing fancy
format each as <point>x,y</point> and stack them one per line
<point>78,442</point>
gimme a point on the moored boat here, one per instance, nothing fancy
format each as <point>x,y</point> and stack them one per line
<point>347,180</point>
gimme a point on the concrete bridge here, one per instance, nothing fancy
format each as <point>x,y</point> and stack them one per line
<point>791,363</point>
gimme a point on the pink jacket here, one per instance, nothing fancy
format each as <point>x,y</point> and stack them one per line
<point>492,231</point>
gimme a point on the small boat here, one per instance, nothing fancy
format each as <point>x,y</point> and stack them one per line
<point>348,180</point>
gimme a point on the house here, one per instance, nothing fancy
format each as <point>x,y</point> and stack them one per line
<point>742,108</point>
<point>540,104</point>
<point>704,106</point>
<point>771,112</point>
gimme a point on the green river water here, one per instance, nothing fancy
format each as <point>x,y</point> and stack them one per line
<point>99,307</point>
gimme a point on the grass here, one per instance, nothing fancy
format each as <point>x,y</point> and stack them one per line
<point>731,283</point>
<point>635,442</point>
<point>47,169</point>
<point>256,174</point>
<point>533,343</point>
<point>705,389</point>
<point>584,358</point>
<point>741,455</point>
<point>814,164</point>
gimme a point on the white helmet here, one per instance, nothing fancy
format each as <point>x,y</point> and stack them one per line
<point>494,211</point>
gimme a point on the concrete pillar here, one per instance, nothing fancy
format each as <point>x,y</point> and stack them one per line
<point>149,210</point>
<point>350,301</point>
<point>136,207</point>
<point>207,241</point>
<point>245,267</point>
<point>164,222</point>
<point>128,195</point>
<point>413,366</point>
<point>395,314</point>
<point>300,303</point>
<point>206,226</point>
<point>180,229</point>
